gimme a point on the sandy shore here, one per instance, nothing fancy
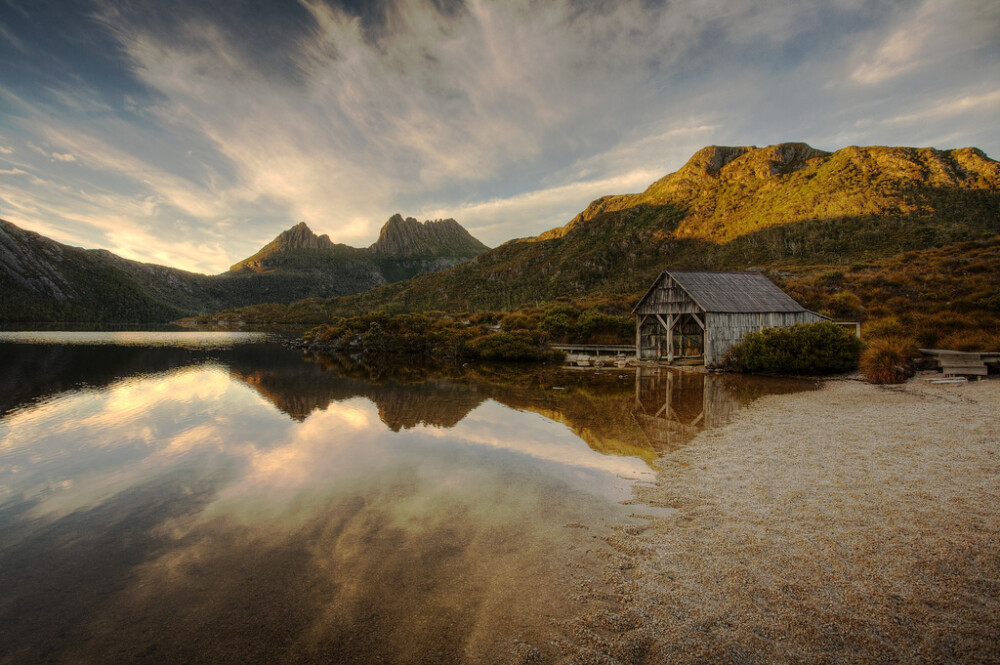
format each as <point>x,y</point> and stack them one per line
<point>854,524</point>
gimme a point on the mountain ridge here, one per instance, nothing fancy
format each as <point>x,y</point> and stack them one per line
<point>43,280</point>
<point>728,207</point>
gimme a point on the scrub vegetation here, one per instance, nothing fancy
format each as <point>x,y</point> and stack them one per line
<point>517,336</point>
<point>806,348</point>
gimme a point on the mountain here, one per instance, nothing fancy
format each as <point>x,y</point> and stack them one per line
<point>313,266</point>
<point>43,280</point>
<point>444,238</point>
<point>405,248</point>
<point>728,208</point>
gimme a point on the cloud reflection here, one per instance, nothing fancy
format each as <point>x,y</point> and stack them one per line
<point>72,452</point>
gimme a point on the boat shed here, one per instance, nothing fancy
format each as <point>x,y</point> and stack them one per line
<point>699,315</point>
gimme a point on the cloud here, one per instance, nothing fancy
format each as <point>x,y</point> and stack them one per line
<point>936,32</point>
<point>949,107</point>
<point>432,101</point>
<point>509,117</point>
<point>495,221</point>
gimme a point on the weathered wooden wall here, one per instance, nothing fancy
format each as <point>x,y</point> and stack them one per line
<point>724,330</point>
<point>668,298</point>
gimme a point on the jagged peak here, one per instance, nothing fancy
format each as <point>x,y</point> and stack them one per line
<point>401,236</point>
<point>300,236</point>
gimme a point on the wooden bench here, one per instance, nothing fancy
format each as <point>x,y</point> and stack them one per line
<point>962,363</point>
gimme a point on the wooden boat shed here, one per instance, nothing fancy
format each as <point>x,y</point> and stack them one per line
<point>699,315</point>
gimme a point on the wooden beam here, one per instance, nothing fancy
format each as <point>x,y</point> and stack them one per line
<point>697,320</point>
<point>639,320</point>
<point>638,387</point>
<point>670,337</point>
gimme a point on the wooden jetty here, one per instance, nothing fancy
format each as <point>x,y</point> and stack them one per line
<point>585,355</point>
<point>962,363</point>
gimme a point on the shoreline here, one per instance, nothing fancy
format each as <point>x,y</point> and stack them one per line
<point>856,523</point>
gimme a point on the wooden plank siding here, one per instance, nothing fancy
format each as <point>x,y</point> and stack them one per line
<point>727,329</point>
<point>668,298</point>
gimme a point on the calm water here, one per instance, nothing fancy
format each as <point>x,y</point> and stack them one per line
<point>214,497</point>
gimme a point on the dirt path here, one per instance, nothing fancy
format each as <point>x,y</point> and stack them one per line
<point>851,524</point>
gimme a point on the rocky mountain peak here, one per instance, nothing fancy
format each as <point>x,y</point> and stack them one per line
<point>300,236</point>
<point>406,237</point>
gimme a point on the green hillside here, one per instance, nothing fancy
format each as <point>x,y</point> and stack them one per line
<point>907,240</point>
<point>728,208</point>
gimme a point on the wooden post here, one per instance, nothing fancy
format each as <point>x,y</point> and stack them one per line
<point>670,337</point>
<point>638,387</point>
<point>639,320</point>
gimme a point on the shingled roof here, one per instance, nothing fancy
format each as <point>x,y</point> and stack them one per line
<point>730,291</point>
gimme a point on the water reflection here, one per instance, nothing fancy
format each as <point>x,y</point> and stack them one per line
<point>243,504</point>
<point>672,406</point>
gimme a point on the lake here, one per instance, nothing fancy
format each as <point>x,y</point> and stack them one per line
<point>172,497</point>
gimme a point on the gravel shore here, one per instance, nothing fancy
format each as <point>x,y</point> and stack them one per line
<point>854,524</point>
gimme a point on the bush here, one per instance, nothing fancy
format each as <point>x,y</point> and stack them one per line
<point>806,348</point>
<point>971,340</point>
<point>887,360</point>
<point>596,327</point>
<point>558,324</point>
<point>507,346</point>
<point>888,326</point>
<point>518,321</point>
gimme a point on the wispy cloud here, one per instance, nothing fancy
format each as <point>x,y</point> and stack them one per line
<point>508,116</point>
<point>949,107</point>
<point>933,33</point>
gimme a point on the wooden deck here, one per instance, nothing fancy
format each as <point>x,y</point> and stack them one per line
<point>962,363</point>
<point>596,349</point>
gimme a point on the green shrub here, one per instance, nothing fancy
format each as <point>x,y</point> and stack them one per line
<point>806,348</point>
<point>596,327</point>
<point>374,339</point>
<point>558,324</point>
<point>517,346</point>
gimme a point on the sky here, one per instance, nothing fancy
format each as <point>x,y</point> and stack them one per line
<point>189,133</point>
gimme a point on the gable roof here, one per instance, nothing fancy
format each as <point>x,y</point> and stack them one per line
<point>716,291</point>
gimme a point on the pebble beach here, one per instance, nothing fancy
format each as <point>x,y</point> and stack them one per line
<point>853,524</point>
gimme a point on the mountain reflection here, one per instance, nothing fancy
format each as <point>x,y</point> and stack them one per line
<point>635,413</point>
<point>246,504</point>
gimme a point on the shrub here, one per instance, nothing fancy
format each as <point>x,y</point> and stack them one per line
<point>594,326</point>
<point>971,340</point>
<point>374,339</point>
<point>518,321</point>
<point>887,360</point>
<point>846,304</point>
<point>558,324</point>
<point>507,346</point>
<point>806,348</point>
<point>888,326</point>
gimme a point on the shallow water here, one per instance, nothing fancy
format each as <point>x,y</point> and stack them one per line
<point>206,499</point>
